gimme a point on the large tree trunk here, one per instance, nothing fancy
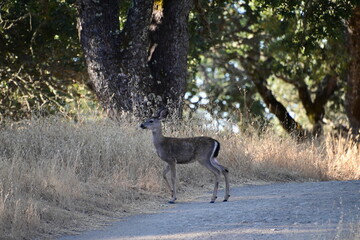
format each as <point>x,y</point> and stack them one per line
<point>118,61</point>
<point>353,89</point>
<point>170,44</point>
<point>98,27</point>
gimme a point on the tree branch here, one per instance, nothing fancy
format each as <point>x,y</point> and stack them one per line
<point>329,85</point>
<point>278,109</point>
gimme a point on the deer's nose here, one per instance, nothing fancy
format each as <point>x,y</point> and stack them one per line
<point>142,126</point>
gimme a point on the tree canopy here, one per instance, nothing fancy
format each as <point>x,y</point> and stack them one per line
<point>264,46</point>
<point>283,59</point>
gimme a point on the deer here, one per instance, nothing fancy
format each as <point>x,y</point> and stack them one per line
<point>174,151</point>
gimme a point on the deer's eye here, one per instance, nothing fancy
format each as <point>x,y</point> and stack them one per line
<point>151,121</point>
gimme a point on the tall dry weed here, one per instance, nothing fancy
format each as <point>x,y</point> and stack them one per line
<point>57,175</point>
<point>343,158</point>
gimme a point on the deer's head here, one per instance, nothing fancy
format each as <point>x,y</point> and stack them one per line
<point>155,121</point>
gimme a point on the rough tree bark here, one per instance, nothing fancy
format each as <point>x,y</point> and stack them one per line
<point>132,70</point>
<point>99,34</point>
<point>170,44</point>
<point>353,88</point>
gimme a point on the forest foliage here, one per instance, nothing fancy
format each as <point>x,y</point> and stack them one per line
<point>241,52</point>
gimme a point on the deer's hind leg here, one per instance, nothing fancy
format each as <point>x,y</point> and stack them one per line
<point>227,190</point>
<point>216,172</point>
<point>225,172</point>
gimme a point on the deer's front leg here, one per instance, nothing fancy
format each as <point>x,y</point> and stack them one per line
<point>165,172</point>
<point>173,181</point>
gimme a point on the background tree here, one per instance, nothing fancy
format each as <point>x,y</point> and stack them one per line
<point>40,65</point>
<point>353,88</point>
<point>290,60</point>
<point>301,44</point>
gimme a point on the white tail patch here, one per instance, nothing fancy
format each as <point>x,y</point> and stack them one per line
<point>215,147</point>
<point>213,160</point>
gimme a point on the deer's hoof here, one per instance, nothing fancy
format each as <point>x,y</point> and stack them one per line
<point>213,200</point>
<point>226,198</point>
<point>172,202</point>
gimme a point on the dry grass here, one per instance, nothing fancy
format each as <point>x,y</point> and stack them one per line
<point>57,175</point>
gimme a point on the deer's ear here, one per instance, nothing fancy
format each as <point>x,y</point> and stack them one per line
<point>162,114</point>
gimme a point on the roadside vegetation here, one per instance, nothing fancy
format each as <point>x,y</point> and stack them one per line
<point>59,176</point>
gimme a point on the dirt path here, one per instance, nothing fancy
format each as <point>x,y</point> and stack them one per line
<point>313,210</point>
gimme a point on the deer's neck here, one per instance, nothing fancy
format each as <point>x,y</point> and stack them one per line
<point>157,136</point>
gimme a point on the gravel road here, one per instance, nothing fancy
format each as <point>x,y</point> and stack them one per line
<point>311,210</point>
